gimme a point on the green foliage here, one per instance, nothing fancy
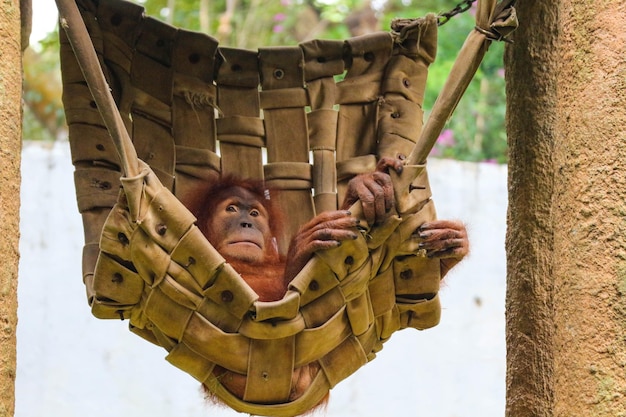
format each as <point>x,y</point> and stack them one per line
<point>44,118</point>
<point>476,130</point>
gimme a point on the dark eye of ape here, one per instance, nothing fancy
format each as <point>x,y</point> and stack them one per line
<point>231,208</point>
<point>255,213</point>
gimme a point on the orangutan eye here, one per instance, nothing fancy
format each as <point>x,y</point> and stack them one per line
<point>255,213</point>
<point>231,208</point>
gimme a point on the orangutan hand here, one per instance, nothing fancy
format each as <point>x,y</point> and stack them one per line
<point>374,190</point>
<point>325,231</point>
<point>446,240</point>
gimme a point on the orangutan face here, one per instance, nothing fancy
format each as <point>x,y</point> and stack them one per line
<point>239,227</point>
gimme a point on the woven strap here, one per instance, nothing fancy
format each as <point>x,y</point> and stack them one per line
<point>157,269</point>
<point>180,95</point>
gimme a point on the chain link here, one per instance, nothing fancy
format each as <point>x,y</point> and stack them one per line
<point>465,5</point>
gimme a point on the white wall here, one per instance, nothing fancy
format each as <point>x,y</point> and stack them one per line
<point>72,364</point>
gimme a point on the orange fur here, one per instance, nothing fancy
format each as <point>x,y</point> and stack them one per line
<point>266,278</point>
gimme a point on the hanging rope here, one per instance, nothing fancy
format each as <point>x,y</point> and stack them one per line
<point>444,17</point>
<point>493,22</point>
<point>72,22</point>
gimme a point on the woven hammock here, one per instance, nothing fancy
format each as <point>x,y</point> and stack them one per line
<point>195,111</point>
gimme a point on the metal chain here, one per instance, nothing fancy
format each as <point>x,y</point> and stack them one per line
<point>465,5</point>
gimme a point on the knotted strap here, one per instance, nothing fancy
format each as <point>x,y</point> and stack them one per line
<point>494,21</point>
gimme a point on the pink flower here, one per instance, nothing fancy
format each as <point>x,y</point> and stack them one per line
<point>446,139</point>
<point>279,17</point>
<point>435,152</point>
<point>278,28</point>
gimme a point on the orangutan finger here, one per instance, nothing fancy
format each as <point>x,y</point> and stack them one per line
<point>329,234</point>
<point>437,245</point>
<point>386,162</point>
<point>366,191</point>
<point>452,252</point>
<point>443,224</point>
<point>375,206</point>
<point>439,234</point>
<point>385,183</point>
<point>322,220</point>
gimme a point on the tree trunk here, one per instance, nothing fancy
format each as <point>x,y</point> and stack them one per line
<point>10,152</point>
<point>566,239</point>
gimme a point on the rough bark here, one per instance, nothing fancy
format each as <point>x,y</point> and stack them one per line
<point>589,206</point>
<point>531,95</point>
<point>10,148</point>
<point>566,239</point>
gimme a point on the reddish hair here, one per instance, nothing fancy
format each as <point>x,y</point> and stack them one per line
<point>218,191</point>
<point>267,281</point>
